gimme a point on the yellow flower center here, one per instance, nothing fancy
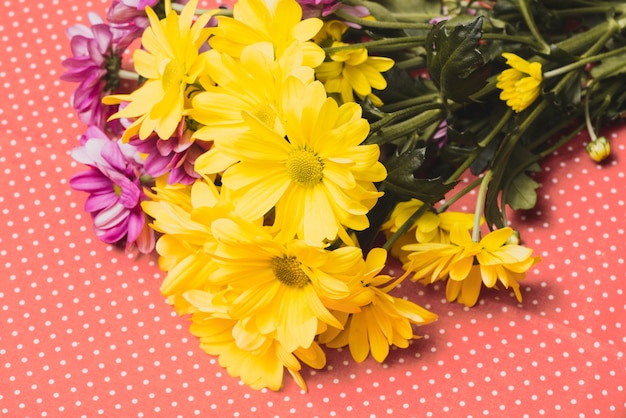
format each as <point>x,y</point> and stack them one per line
<point>266,114</point>
<point>288,271</point>
<point>305,167</point>
<point>172,74</point>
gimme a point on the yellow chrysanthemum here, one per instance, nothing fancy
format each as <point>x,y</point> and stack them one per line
<point>319,178</point>
<point>492,259</point>
<point>280,287</point>
<point>183,214</point>
<point>169,61</point>
<point>520,84</point>
<point>350,71</point>
<point>429,227</point>
<point>252,84</point>
<point>278,22</point>
<point>382,321</point>
<point>259,360</point>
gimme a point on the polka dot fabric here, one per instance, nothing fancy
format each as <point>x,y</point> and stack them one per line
<point>85,332</point>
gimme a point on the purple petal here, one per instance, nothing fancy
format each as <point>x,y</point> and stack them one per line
<point>100,202</point>
<point>90,181</point>
<point>107,219</point>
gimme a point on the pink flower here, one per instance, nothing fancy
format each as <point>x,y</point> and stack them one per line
<point>132,13</point>
<point>175,155</point>
<point>113,182</point>
<point>323,8</point>
<point>95,64</point>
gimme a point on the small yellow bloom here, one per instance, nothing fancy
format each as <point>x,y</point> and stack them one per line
<point>350,71</point>
<point>170,61</point>
<point>382,320</point>
<point>430,227</point>
<point>471,264</point>
<point>277,22</point>
<point>520,84</point>
<point>599,149</point>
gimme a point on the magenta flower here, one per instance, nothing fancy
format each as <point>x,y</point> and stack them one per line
<point>175,155</point>
<point>95,64</point>
<point>323,8</point>
<point>113,182</point>
<point>131,14</point>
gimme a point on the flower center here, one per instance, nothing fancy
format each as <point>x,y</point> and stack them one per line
<point>305,167</point>
<point>266,114</point>
<point>288,271</point>
<point>172,74</point>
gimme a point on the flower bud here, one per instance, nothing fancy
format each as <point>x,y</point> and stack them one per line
<point>599,149</point>
<point>514,239</point>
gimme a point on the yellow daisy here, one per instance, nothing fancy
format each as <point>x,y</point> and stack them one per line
<point>521,83</point>
<point>260,367</point>
<point>280,288</point>
<point>492,260</point>
<point>183,215</point>
<point>253,84</point>
<point>169,61</point>
<point>350,71</point>
<point>319,178</point>
<point>278,22</point>
<point>429,227</point>
<point>383,320</point>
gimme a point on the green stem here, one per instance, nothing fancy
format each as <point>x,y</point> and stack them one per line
<point>403,104</point>
<point>583,62</point>
<point>392,117</point>
<point>381,45</point>
<point>222,12</point>
<point>530,22</point>
<point>459,195</point>
<point>128,75</point>
<point>592,133</point>
<point>388,134</point>
<point>379,24</point>
<point>480,204</point>
<point>511,38</point>
<point>481,145</point>
<point>405,227</point>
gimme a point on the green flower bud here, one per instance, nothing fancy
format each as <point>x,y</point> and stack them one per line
<point>599,149</point>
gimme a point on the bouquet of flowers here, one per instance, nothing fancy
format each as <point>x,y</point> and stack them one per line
<point>276,155</point>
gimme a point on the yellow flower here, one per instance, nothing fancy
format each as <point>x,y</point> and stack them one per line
<point>429,227</point>
<point>599,149</point>
<point>252,84</point>
<point>350,71</point>
<point>319,178</point>
<point>471,264</point>
<point>278,22</point>
<point>262,360</point>
<point>183,215</point>
<point>520,84</point>
<point>383,320</point>
<point>169,61</point>
<point>280,287</point>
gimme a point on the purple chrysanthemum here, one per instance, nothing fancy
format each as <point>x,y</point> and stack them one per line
<point>175,155</point>
<point>113,182</point>
<point>95,64</point>
<point>323,8</point>
<point>131,14</point>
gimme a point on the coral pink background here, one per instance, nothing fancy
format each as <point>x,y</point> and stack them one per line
<point>85,332</point>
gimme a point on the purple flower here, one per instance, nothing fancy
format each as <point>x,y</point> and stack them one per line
<point>323,8</point>
<point>175,155</point>
<point>95,64</point>
<point>115,190</point>
<point>131,14</point>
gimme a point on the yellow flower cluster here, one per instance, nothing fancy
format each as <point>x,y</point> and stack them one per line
<point>467,264</point>
<point>259,252</point>
<point>247,248</point>
<point>265,304</point>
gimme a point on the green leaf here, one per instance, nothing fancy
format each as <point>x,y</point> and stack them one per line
<point>401,180</point>
<point>453,56</point>
<point>609,67</point>
<point>521,193</point>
